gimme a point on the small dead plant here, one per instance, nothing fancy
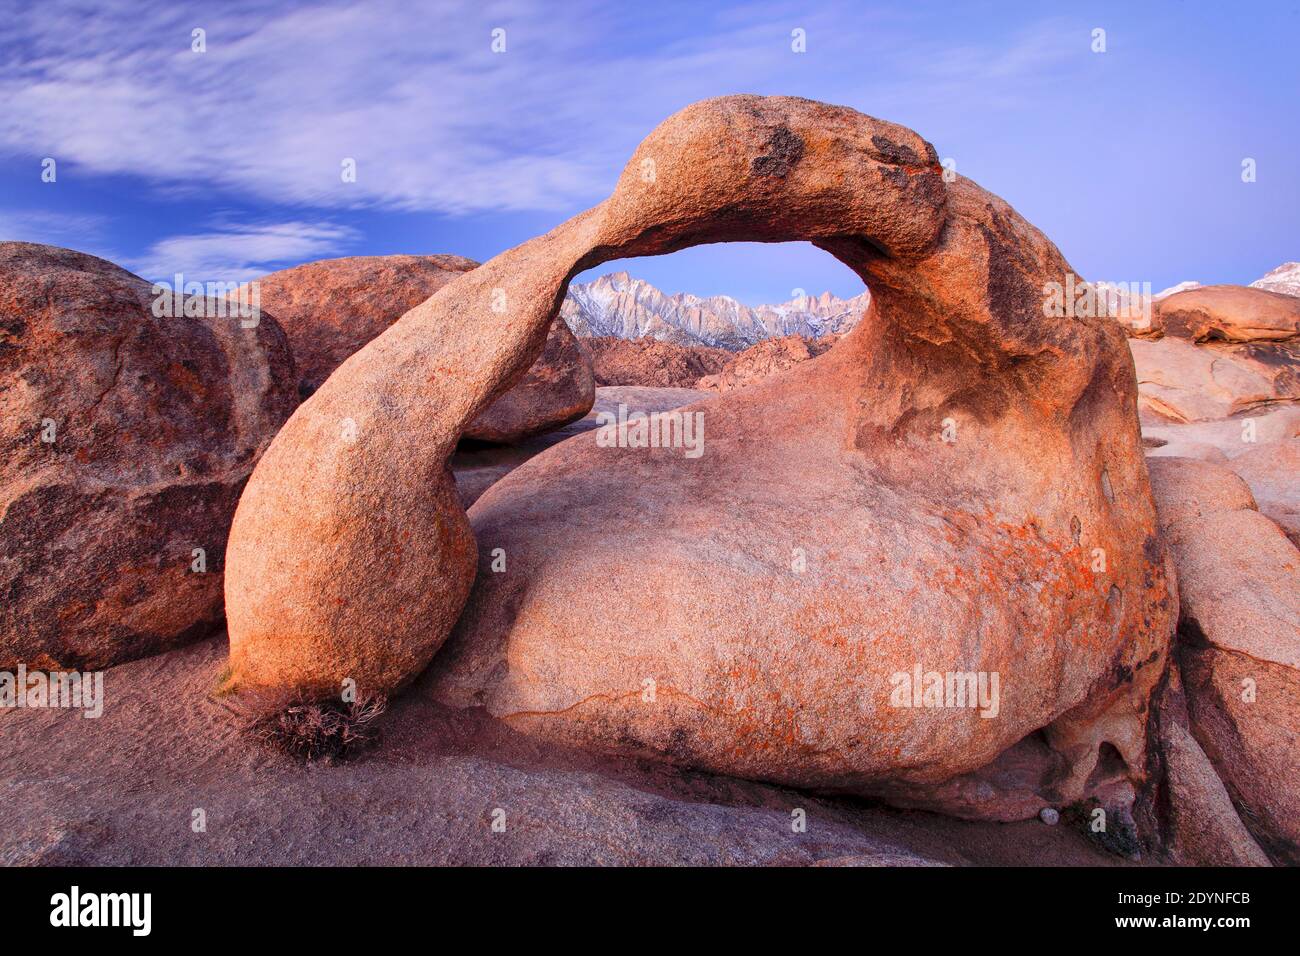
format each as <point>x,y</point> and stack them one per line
<point>308,728</point>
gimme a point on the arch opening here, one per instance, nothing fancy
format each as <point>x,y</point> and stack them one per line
<point>654,346</point>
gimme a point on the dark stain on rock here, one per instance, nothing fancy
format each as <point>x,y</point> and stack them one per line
<point>1147,661</point>
<point>894,176</point>
<point>929,187</point>
<point>1009,292</point>
<point>1276,354</point>
<point>893,152</point>
<point>1120,835</point>
<point>784,150</point>
<point>679,747</point>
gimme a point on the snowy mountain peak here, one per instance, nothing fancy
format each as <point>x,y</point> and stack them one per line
<point>1175,289</point>
<point>625,307</point>
<point>1284,279</point>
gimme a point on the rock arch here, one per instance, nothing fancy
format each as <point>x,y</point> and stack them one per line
<point>350,556</point>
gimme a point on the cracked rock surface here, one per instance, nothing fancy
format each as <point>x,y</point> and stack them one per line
<point>1238,641</point>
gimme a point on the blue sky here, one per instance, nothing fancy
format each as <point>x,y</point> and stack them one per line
<point>226,164</point>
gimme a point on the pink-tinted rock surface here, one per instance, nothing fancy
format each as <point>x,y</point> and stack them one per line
<point>331,308</point>
<point>763,360</point>
<point>1230,313</point>
<point>1221,440</point>
<point>1239,641</point>
<point>1182,381</point>
<point>651,363</point>
<point>1203,827</point>
<point>110,791</point>
<point>1273,472</point>
<point>479,466</point>
<point>127,437</point>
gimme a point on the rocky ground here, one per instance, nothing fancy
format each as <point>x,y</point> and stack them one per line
<point>123,790</point>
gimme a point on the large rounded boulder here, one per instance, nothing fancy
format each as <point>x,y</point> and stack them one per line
<point>129,421</point>
<point>1183,381</point>
<point>893,566</point>
<point>1230,313</point>
<point>1216,351</point>
<point>330,309</point>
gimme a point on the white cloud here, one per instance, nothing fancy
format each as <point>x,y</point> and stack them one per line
<point>412,92</point>
<point>433,119</point>
<point>232,254</point>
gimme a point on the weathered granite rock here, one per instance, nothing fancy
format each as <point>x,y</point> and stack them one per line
<point>1273,473</point>
<point>1230,313</point>
<point>1188,488</point>
<point>1239,641</point>
<point>333,307</point>
<point>1218,351</point>
<point>479,466</point>
<point>330,309</point>
<point>558,389</point>
<point>1203,827</point>
<point>1185,382</point>
<point>1221,440</point>
<point>110,792</point>
<point>650,362</point>
<point>764,360</point>
<point>127,437</point>
<point>957,487</point>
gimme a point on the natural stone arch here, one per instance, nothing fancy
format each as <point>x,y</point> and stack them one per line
<point>351,558</point>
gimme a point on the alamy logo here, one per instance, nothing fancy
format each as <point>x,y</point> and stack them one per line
<point>213,300</point>
<point>57,689</point>
<point>1118,300</point>
<point>919,688</point>
<point>653,430</point>
<point>103,909</point>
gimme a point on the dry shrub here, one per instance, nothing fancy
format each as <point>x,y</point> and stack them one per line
<point>307,728</point>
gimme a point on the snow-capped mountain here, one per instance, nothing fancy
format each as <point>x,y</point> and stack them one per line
<point>629,308</point>
<point>1175,289</point>
<point>1285,279</point>
<point>1119,295</point>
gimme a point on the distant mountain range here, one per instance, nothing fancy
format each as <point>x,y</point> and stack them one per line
<point>629,308</point>
<point>1284,279</point>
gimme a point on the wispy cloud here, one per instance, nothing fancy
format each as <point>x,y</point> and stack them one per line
<point>434,120</point>
<point>282,96</point>
<point>237,254</point>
